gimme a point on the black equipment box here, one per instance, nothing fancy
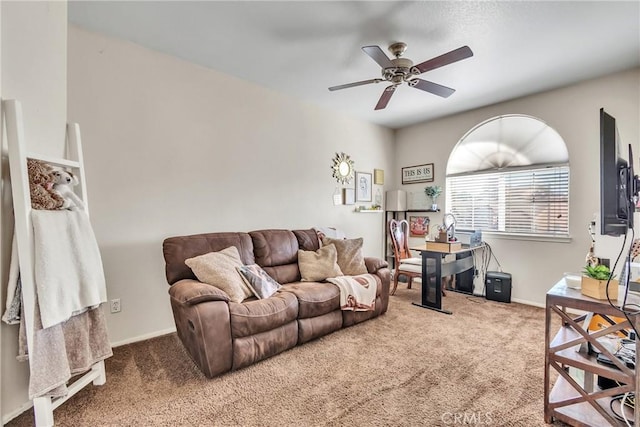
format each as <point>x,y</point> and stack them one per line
<point>498,286</point>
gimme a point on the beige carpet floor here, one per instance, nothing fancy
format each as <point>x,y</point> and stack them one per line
<point>409,367</point>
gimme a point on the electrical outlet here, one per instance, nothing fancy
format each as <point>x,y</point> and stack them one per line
<point>115,305</point>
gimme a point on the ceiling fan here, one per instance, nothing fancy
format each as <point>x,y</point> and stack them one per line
<point>400,70</point>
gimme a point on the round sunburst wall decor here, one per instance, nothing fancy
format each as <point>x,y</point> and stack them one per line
<point>342,168</point>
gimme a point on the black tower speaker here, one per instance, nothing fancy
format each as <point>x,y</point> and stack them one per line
<point>498,286</point>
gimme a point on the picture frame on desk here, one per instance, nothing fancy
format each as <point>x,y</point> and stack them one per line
<point>418,225</point>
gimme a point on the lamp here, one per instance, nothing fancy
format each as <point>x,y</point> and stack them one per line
<point>449,225</point>
<point>396,200</point>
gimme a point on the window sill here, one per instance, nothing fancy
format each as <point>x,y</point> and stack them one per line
<point>527,237</point>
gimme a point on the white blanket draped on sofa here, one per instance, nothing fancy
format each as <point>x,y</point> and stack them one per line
<point>70,331</point>
<point>357,293</point>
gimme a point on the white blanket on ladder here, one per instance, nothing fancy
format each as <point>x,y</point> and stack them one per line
<point>68,269</point>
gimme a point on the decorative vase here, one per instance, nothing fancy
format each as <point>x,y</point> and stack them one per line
<point>434,205</point>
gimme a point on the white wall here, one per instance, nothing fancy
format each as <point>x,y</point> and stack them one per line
<point>172,148</point>
<point>34,71</point>
<point>574,113</point>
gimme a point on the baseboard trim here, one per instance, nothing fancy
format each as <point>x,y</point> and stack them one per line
<point>19,411</point>
<point>519,301</point>
<point>527,302</point>
<point>143,337</point>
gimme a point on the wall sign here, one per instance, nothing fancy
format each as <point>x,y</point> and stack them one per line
<point>421,173</point>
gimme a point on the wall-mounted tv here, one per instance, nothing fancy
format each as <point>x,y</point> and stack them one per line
<point>618,184</point>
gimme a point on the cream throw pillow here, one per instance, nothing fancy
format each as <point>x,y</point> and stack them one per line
<point>219,269</point>
<point>319,265</point>
<point>350,259</point>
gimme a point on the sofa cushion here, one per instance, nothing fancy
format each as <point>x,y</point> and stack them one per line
<point>251,349</point>
<point>330,232</point>
<point>314,298</point>
<point>276,251</point>
<point>319,265</point>
<point>310,328</point>
<point>254,317</point>
<point>219,269</point>
<point>177,249</point>
<point>307,239</point>
<point>350,259</point>
<point>262,285</point>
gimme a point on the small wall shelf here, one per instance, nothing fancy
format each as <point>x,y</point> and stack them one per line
<point>369,210</point>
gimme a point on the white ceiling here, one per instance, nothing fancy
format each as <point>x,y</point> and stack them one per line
<point>302,48</point>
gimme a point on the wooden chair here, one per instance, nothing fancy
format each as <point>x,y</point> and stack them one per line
<point>405,263</point>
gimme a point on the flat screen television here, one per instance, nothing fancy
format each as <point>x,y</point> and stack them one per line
<point>618,184</point>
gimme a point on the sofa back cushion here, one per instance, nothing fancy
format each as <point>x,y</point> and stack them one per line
<point>177,249</point>
<point>307,239</point>
<point>276,251</point>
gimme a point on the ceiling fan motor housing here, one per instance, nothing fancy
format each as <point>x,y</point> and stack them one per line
<point>400,71</point>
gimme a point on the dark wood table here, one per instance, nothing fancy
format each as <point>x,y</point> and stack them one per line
<point>432,291</point>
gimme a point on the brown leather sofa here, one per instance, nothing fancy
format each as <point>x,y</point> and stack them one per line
<point>221,335</point>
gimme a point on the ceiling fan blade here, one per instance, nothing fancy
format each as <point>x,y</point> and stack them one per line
<point>386,96</point>
<point>444,59</point>
<point>354,84</point>
<point>431,87</point>
<point>378,55</point>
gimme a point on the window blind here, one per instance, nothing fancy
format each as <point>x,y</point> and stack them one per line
<point>523,201</point>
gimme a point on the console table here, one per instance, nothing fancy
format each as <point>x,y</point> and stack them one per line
<point>574,400</point>
<point>432,292</point>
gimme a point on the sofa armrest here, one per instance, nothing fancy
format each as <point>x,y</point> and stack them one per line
<point>191,292</point>
<point>203,324</point>
<point>375,264</point>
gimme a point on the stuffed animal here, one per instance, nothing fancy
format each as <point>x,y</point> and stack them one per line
<point>62,183</point>
<point>41,186</point>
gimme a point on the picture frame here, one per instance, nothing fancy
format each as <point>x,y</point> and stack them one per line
<point>418,225</point>
<point>378,176</point>
<point>349,196</point>
<point>419,173</point>
<point>363,186</point>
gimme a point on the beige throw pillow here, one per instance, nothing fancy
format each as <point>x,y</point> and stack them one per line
<point>219,269</point>
<point>350,259</point>
<point>319,265</point>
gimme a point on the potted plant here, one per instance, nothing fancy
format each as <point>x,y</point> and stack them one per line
<point>433,192</point>
<point>594,282</point>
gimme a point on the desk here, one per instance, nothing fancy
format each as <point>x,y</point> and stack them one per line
<point>432,293</point>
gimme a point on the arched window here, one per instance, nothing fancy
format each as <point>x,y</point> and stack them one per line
<point>510,174</point>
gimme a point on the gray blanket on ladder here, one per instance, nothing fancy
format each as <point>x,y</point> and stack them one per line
<point>76,336</point>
